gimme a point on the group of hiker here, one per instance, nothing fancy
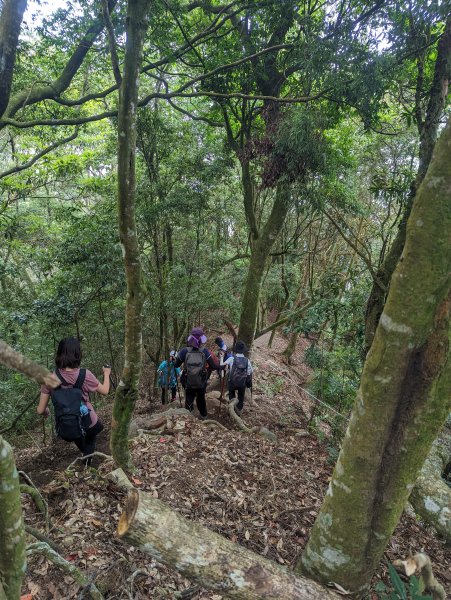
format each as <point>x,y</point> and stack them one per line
<point>75,418</point>
<point>198,364</point>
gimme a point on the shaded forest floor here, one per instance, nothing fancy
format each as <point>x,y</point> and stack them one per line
<point>264,495</point>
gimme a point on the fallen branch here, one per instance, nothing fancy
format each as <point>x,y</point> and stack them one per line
<point>66,566</point>
<point>207,558</point>
<point>422,563</point>
<point>19,362</point>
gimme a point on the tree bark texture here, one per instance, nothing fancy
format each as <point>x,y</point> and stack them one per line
<point>206,558</point>
<point>260,253</point>
<point>60,84</point>
<point>12,533</point>
<point>428,136</point>
<point>403,398</point>
<point>10,21</point>
<point>17,361</point>
<point>431,497</point>
<point>127,389</point>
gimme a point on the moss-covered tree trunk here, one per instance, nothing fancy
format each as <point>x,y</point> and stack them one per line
<point>428,130</point>
<point>403,398</point>
<point>12,533</point>
<point>261,250</point>
<point>127,389</point>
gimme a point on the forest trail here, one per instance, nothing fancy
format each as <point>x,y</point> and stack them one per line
<point>264,495</point>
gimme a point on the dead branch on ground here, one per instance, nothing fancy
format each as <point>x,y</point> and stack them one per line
<point>207,558</point>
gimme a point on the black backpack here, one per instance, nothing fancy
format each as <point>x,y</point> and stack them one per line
<point>70,424</point>
<point>196,372</point>
<point>238,373</point>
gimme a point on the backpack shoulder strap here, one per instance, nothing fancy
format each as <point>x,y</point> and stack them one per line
<point>80,379</point>
<point>60,377</point>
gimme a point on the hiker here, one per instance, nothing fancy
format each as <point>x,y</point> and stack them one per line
<point>168,375</point>
<point>75,418</point>
<point>224,352</point>
<point>240,374</point>
<point>194,376</point>
<point>222,346</point>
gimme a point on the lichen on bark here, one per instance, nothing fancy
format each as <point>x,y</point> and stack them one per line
<point>12,534</point>
<point>431,497</point>
<point>400,406</point>
<point>127,390</point>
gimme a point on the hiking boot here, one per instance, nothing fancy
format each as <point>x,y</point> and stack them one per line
<point>238,411</point>
<point>203,417</point>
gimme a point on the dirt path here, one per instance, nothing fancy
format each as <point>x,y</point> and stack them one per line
<point>260,494</point>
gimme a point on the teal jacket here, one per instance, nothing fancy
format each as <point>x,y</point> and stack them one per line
<point>173,374</point>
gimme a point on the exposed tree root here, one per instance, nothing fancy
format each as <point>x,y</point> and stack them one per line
<point>269,435</point>
<point>42,538</point>
<point>67,567</point>
<point>101,454</point>
<point>213,423</point>
<point>171,412</point>
<point>35,496</point>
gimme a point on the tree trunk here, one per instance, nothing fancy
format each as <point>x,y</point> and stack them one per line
<point>10,21</point>
<point>403,398</point>
<point>300,298</point>
<point>127,389</point>
<point>207,558</point>
<point>12,534</point>
<point>260,253</point>
<point>431,497</point>
<point>428,135</point>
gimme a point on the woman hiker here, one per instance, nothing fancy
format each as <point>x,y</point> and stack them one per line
<point>75,417</point>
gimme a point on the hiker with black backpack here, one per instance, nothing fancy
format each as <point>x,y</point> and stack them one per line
<point>75,418</point>
<point>240,374</point>
<point>194,359</point>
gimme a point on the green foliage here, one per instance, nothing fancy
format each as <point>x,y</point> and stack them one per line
<point>401,591</point>
<point>272,387</point>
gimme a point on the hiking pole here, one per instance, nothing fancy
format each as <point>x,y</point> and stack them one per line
<point>178,390</point>
<point>107,366</point>
<point>221,395</point>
